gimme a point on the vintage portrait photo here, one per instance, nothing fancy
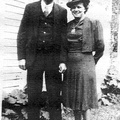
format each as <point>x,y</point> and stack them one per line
<point>59,59</point>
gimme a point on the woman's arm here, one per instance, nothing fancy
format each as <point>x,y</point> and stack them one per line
<point>99,41</point>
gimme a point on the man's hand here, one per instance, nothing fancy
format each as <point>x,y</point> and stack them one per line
<point>62,68</point>
<point>22,64</point>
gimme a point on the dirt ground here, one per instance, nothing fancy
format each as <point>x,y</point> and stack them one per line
<point>106,113</point>
<point>102,113</point>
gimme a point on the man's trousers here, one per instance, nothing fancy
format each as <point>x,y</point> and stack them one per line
<point>49,63</point>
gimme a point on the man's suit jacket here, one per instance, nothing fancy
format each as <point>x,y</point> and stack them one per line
<point>28,32</point>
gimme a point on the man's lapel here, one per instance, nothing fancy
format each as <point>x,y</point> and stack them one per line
<point>37,13</point>
<point>56,12</point>
<point>56,20</point>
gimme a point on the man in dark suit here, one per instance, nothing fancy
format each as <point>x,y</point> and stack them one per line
<point>41,46</point>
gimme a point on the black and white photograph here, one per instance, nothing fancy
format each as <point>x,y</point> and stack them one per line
<point>59,59</point>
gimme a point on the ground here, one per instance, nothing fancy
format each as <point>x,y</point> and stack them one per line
<point>103,113</point>
<point>106,113</point>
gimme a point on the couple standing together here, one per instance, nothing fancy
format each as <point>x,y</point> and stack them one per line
<point>46,42</point>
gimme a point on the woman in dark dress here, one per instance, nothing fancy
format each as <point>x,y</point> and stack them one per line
<point>84,37</point>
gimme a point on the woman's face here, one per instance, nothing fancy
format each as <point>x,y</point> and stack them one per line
<point>78,10</point>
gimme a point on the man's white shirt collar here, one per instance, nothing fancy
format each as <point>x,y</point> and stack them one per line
<point>49,6</point>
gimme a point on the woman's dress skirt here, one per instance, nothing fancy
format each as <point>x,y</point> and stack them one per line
<point>79,92</point>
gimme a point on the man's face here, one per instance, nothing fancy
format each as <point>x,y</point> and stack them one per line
<point>48,1</point>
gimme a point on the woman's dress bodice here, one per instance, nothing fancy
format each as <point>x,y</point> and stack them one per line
<point>74,35</point>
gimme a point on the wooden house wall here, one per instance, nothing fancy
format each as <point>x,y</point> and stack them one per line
<point>11,74</point>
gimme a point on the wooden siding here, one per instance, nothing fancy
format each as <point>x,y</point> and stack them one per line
<point>12,75</point>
